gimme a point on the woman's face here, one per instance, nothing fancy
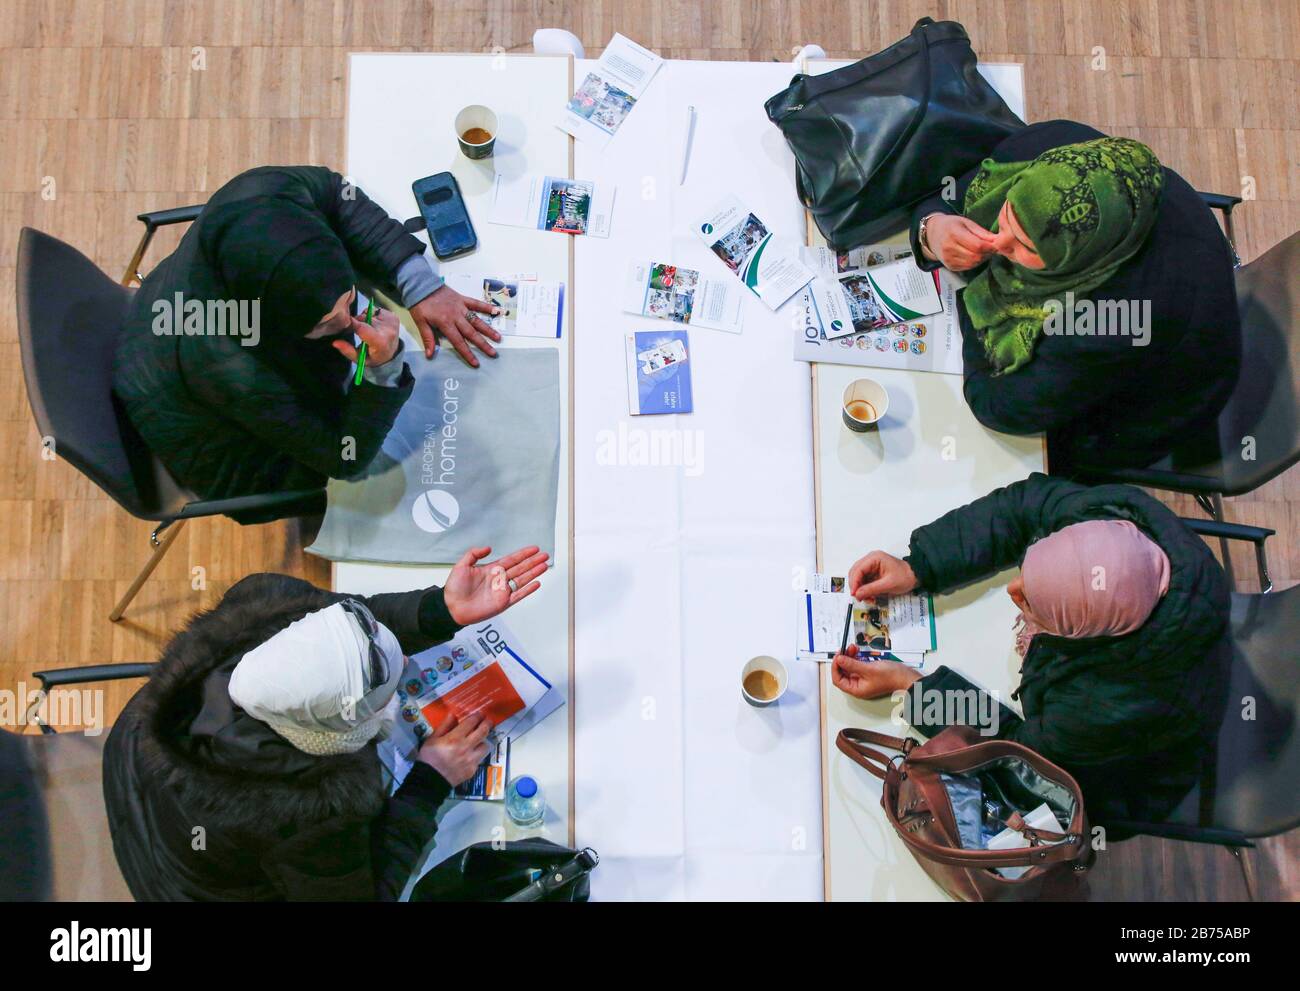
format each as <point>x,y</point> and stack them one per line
<point>337,320</point>
<point>1013,243</point>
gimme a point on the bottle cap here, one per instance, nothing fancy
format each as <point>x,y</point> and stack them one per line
<point>526,787</point>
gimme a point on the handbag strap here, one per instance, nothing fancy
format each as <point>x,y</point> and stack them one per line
<point>851,743</point>
<point>558,877</point>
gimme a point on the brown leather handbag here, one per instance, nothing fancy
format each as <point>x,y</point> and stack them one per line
<point>940,794</point>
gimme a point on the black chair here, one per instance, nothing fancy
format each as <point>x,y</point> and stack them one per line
<point>69,317</point>
<point>56,844</point>
<point>1257,436</point>
<point>1248,788</point>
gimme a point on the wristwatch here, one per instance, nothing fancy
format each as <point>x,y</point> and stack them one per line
<point>922,234</point>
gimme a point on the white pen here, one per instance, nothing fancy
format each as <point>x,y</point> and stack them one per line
<point>686,145</point>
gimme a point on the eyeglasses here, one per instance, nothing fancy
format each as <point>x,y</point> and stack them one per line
<point>370,627</point>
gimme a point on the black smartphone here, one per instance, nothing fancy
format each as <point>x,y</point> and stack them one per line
<point>450,231</point>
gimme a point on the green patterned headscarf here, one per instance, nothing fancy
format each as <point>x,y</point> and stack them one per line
<point>1087,207</point>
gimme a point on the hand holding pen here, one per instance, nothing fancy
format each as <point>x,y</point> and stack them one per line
<point>380,340</point>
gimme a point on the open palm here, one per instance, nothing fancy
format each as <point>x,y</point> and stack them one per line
<point>475,592</point>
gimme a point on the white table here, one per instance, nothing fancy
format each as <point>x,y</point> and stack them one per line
<point>686,570</point>
<point>685,573</point>
<point>392,140</point>
<point>928,456</point>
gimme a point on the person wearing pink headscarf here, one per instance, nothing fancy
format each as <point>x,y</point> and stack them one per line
<point>1120,632</point>
<point>1101,578</point>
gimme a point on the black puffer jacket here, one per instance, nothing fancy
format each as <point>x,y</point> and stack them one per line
<point>224,422</point>
<point>1102,401</point>
<point>1130,717</point>
<point>184,768</point>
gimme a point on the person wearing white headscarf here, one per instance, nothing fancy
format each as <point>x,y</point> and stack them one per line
<point>246,769</point>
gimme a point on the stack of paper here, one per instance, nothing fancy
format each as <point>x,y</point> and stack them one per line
<point>482,670</point>
<point>888,315</point>
<point>894,627</point>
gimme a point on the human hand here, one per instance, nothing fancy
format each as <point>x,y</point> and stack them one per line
<point>456,748</point>
<point>870,679</point>
<point>477,592</point>
<point>448,314</point>
<point>879,573</point>
<point>382,338</point>
<point>957,242</point>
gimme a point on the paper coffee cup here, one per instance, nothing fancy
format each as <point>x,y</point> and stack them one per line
<point>865,403</point>
<point>476,131</point>
<point>763,680</point>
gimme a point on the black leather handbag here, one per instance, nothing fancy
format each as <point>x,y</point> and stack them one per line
<point>531,870</point>
<point>874,139</point>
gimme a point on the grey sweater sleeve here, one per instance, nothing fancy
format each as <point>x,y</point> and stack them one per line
<point>417,277</point>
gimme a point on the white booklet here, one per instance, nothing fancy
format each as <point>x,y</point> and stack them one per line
<point>483,669</point>
<point>607,95</point>
<point>894,627</point>
<point>928,344</point>
<point>529,308</point>
<point>832,263</point>
<point>768,266</point>
<point>670,292</point>
<point>552,203</point>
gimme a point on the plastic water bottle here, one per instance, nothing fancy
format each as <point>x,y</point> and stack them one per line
<point>524,802</point>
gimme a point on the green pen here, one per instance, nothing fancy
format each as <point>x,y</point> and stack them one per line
<point>361,355</point>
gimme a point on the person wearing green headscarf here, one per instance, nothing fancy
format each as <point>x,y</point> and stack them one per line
<point>1099,304</point>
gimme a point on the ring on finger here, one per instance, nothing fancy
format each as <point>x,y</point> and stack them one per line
<point>514,587</point>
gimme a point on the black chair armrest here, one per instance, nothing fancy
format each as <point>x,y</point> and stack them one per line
<point>1232,531</point>
<point>240,504</point>
<point>1220,201</point>
<point>174,215</point>
<point>58,677</point>
<point>1224,203</point>
<point>1238,531</point>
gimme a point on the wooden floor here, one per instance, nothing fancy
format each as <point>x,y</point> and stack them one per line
<point>102,106</point>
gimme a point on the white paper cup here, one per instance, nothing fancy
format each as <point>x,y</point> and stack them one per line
<point>476,115</point>
<point>864,405</point>
<point>773,667</point>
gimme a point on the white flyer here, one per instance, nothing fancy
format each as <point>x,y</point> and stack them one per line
<point>927,344</point>
<point>832,263</point>
<point>682,295</point>
<point>551,203</point>
<point>607,95</point>
<point>770,267</point>
<point>529,307</point>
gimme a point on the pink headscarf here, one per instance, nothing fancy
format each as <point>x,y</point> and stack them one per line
<point>1102,578</point>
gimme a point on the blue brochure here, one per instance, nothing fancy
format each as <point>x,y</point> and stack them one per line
<point>658,372</point>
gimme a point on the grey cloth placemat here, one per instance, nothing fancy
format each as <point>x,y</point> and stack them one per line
<point>473,459</point>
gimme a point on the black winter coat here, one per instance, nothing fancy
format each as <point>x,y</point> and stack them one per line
<point>274,823</point>
<point>1130,717</point>
<point>1102,401</point>
<point>226,423</point>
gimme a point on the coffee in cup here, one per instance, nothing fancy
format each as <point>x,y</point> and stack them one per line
<point>763,680</point>
<point>476,131</point>
<point>865,402</point>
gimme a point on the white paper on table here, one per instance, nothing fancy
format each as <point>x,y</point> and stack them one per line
<point>553,203</point>
<point>682,295</point>
<point>607,95</point>
<point>482,667</point>
<point>828,262</point>
<point>891,293</point>
<point>529,308</point>
<point>929,344</point>
<point>767,265</point>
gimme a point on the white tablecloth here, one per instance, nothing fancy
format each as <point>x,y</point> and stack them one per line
<point>684,573</point>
